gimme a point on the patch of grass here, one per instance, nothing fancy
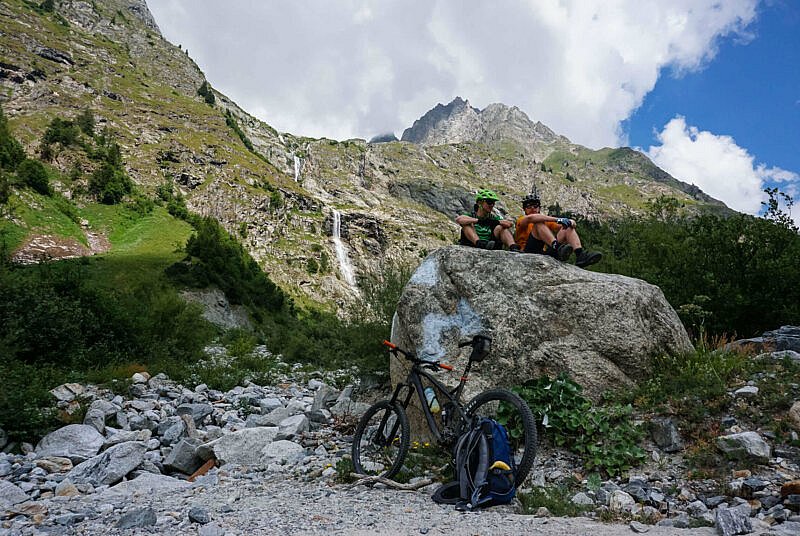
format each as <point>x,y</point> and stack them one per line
<point>557,499</point>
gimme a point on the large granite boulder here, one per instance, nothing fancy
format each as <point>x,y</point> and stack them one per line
<point>544,317</point>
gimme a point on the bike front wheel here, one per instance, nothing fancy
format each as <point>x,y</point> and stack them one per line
<point>381,440</point>
<point>512,412</point>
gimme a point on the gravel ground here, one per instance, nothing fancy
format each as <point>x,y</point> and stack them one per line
<point>252,504</point>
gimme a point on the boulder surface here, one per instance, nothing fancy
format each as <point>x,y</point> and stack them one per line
<point>544,317</point>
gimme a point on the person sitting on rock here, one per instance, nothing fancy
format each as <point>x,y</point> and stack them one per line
<point>482,228</point>
<point>557,237</point>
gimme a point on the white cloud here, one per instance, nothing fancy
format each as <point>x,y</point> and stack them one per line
<point>351,68</point>
<point>718,166</point>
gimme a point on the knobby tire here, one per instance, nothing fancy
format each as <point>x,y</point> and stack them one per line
<point>388,451</point>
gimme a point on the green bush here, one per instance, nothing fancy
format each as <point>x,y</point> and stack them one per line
<point>214,257</point>
<point>85,121</point>
<point>206,92</point>
<point>743,266</point>
<point>51,314</point>
<point>604,436</point>
<point>26,405</point>
<point>5,188</point>
<point>11,152</point>
<point>109,184</point>
<point>33,174</point>
<point>61,131</point>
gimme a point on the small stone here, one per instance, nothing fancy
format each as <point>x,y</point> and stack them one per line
<point>65,488</point>
<point>640,528</point>
<point>581,499</point>
<point>199,515</point>
<point>140,377</point>
<point>141,517</point>
<point>748,391</point>
<point>542,511</point>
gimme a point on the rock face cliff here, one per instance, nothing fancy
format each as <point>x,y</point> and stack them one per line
<point>279,191</point>
<point>544,316</point>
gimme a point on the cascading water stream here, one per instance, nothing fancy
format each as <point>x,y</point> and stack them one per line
<point>298,164</point>
<point>341,251</point>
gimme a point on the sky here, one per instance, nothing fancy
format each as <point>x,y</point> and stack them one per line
<point>708,89</point>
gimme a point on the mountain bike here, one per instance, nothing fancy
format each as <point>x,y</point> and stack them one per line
<point>382,437</point>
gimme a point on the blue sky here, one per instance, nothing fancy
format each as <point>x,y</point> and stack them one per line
<point>750,91</point>
<point>708,89</point>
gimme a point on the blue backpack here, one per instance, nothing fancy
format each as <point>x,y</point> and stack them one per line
<point>484,469</point>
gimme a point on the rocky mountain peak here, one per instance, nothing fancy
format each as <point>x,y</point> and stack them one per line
<point>455,122</point>
<point>459,122</point>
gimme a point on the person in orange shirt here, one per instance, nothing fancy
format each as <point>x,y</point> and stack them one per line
<point>557,237</point>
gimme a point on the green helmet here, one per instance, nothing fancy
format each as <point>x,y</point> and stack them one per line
<point>486,194</point>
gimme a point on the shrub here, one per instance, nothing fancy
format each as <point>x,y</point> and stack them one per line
<point>11,152</point>
<point>215,257</point>
<point>33,174</point>
<point>5,188</point>
<point>61,131</point>
<point>604,436</point>
<point>207,93</point>
<point>85,121</point>
<point>743,267</point>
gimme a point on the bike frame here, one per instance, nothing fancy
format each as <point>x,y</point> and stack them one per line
<point>414,385</point>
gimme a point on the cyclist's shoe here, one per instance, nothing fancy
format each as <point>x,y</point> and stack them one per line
<point>484,244</point>
<point>515,248</point>
<point>560,252</point>
<point>587,258</point>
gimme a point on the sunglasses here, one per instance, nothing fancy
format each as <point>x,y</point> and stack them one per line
<point>532,205</point>
<point>489,201</point>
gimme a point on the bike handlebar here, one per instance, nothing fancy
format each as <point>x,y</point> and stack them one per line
<point>429,364</point>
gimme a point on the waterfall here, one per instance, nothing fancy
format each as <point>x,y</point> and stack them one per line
<point>341,251</point>
<point>298,164</point>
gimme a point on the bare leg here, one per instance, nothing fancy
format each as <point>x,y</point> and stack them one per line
<point>504,235</point>
<point>542,232</point>
<point>470,233</point>
<point>569,236</point>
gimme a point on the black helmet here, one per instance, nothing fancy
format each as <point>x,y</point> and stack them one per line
<point>532,200</point>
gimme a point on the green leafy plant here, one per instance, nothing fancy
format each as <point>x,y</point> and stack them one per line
<point>557,499</point>
<point>604,436</point>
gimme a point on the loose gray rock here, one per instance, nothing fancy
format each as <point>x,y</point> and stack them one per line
<point>732,521</point>
<point>269,404</point>
<point>11,494</point>
<point>665,434</point>
<point>110,466</point>
<point>78,442</point>
<point>123,436</point>
<point>199,515</point>
<point>141,517</point>
<point>242,447</point>
<point>145,484</point>
<point>581,499</point>
<point>183,457</point>
<point>744,445</point>
<point>282,452</point>
<point>293,427</point>
<point>197,411</point>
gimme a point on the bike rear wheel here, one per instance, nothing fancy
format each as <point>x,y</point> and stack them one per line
<point>512,412</point>
<point>381,440</point>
